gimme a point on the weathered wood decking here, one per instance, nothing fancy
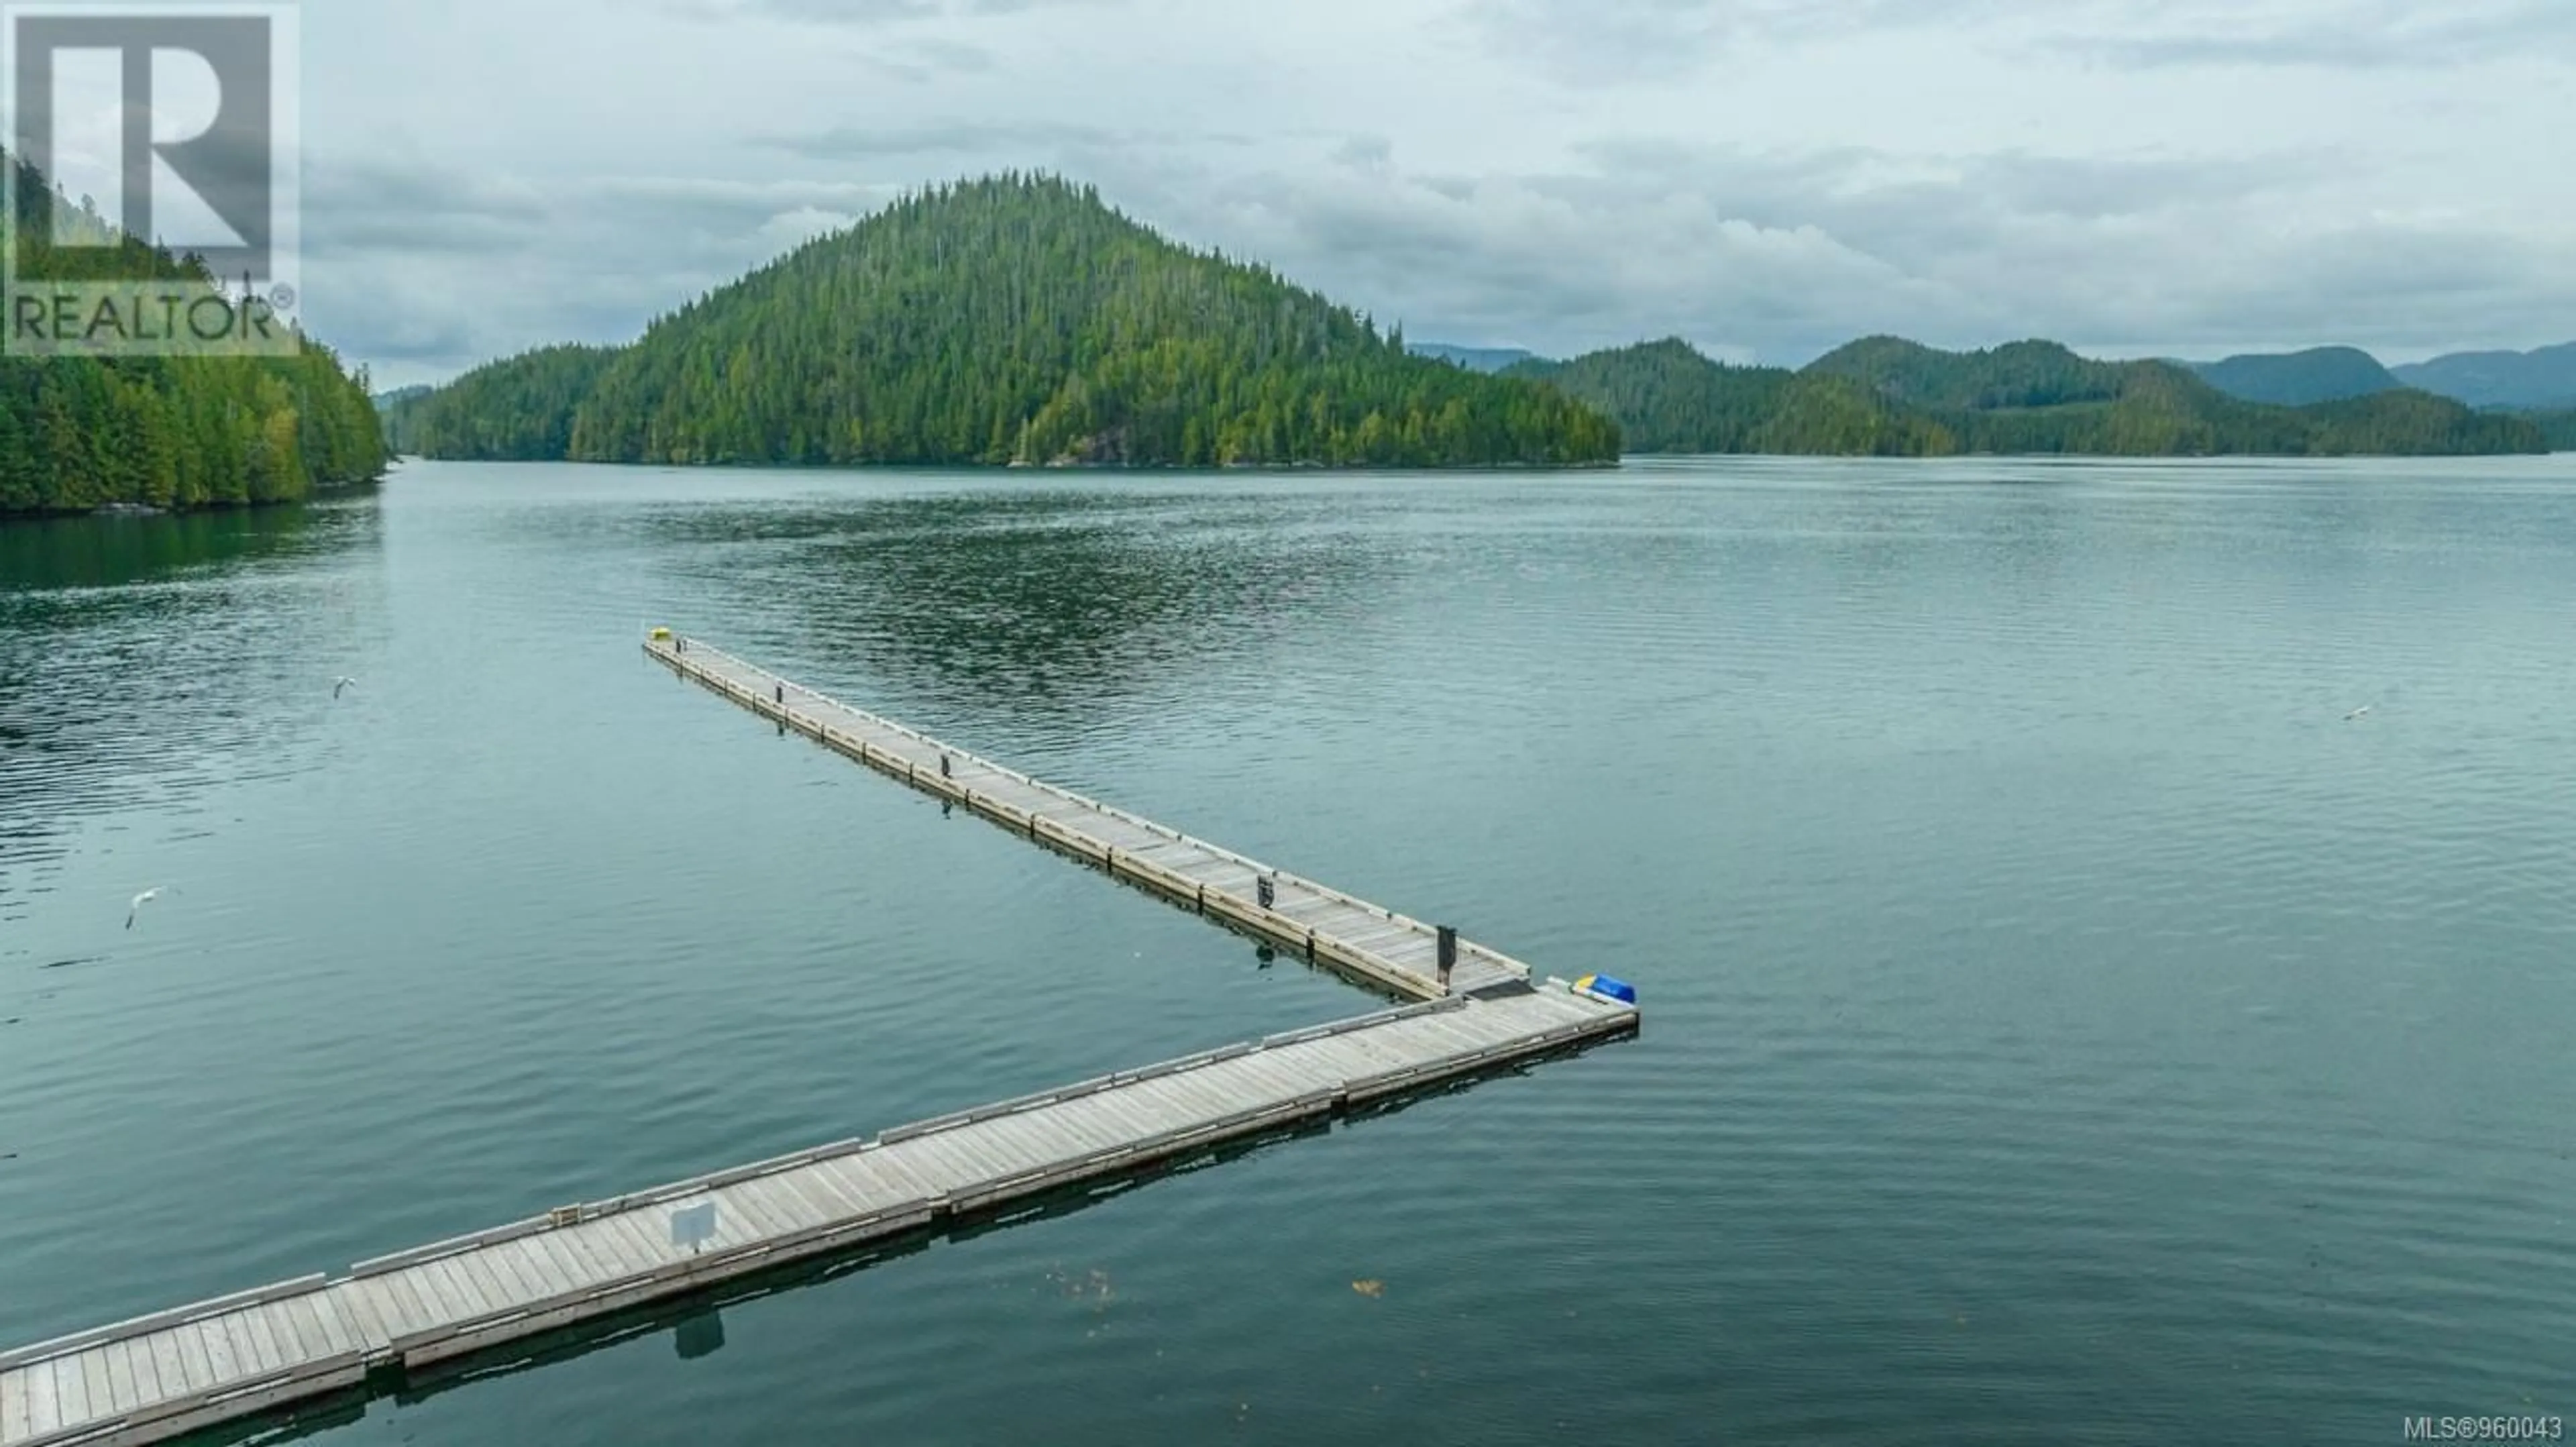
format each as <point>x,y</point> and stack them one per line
<point>174,1372</point>
<point>1320,923</point>
<point>160,1376</point>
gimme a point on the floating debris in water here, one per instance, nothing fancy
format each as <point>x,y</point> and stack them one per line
<point>73,964</point>
<point>1371,1288</point>
<point>1091,1286</point>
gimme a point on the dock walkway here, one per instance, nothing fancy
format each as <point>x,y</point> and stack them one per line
<point>161,1376</point>
<point>175,1372</point>
<point>1316,921</point>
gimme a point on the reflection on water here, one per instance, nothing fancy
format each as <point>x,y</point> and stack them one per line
<point>699,1336</point>
<point>1076,606</point>
<point>48,555</point>
<point>143,658</point>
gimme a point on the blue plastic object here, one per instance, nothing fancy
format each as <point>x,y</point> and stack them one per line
<point>1602,987</point>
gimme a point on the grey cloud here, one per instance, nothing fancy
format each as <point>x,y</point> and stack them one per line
<point>1931,214</point>
<point>923,61</point>
<point>1420,180</point>
<point>1781,256</point>
<point>377,207</point>
<point>959,138</point>
<point>397,334</point>
<point>436,269</point>
<point>2104,187</point>
<point>1776,255</point>
<point>382,208</point>
<point>1615,41</point>
<point>847,12</point>
<point>1531,260</point>
<point>927,60</point>
<point>873,13</point>
<point>2371,35</point>
<point>1013,145</point>
<point>1364,152</point>
<point>1620,40</point>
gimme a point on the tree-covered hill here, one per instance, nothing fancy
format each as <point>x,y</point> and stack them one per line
<point>1667,397</point>
<point>515,410</point>
<point>2299,379</point>
<point>175,432</point>
<point>1885,396</point>
<point>1014,319</point>
<point>2014,376</point>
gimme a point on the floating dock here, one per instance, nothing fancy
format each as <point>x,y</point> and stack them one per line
<point>164,1375</point>
<point>175,1372</point>
<point>1319,923</point>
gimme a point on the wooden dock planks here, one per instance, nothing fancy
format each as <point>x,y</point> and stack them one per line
<point>1311,920</point>
<point>175,1372</point>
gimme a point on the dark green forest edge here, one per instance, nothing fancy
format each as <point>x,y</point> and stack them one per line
<point>2557,428</point>
<point>174,433</point>
<point>1887,397</point>
<point>1011,320</point>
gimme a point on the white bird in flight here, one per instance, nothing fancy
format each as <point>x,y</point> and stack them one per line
<point>342,685</point>
<point>2361,712</point>
<point>135,909</point>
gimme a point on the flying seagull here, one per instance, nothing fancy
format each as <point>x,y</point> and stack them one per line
<point>342,685</point>
<point>135,909</point>
<point>2361,712</point>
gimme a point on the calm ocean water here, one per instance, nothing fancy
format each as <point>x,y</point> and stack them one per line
<point>2064,1025</point>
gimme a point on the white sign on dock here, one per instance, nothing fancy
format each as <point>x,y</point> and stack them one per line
<point>694,1226</point>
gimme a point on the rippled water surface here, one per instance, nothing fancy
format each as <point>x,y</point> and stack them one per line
<point>2064,1024</point>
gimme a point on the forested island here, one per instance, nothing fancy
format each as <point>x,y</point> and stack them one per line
<point>1887,397</point>
<point>1011,320</point>
<point>78,434</point>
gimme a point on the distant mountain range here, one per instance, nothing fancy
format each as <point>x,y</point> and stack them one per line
<point>2523,381</point>
<point>2299,379</point>
<point>2540,384</point>
<point>1888,397</point>
<point>2545,378</point>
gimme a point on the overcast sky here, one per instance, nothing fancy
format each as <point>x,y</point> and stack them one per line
<point>1766,178</point>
